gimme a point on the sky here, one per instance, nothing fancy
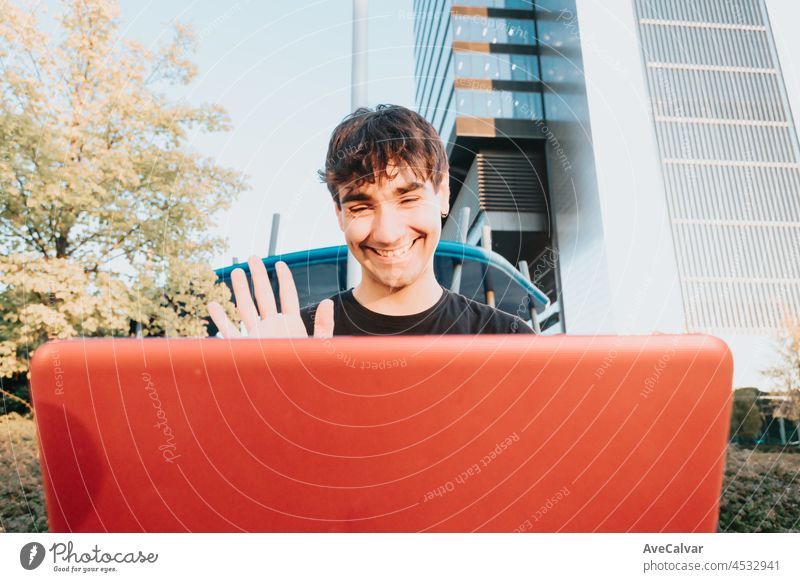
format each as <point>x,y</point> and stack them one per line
<point>282,72</point>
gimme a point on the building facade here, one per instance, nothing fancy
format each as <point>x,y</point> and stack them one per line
<point>479,82</point>
<point>639,155</point>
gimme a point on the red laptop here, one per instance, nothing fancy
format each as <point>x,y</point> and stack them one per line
<point>492,433</point>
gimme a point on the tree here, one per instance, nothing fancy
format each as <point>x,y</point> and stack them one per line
<point>104,209</point>
<point>746,418</point>
<point>787,372</point>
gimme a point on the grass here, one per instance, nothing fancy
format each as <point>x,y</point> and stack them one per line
<point>21,493</point>
<point>761,491</point>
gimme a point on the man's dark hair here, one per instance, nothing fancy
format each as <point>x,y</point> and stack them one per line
<point>367,140</point>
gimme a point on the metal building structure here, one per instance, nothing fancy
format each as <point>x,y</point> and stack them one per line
<point>479,83</point>
<point>729,157</point>
<point>639,155</point>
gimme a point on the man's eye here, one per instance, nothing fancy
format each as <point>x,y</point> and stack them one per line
<point>357,209</point>
<point>407,200</point>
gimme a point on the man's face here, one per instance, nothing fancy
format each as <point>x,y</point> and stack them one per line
<point>393,226</point>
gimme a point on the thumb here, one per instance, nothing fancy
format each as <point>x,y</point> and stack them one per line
<point>323,319</point>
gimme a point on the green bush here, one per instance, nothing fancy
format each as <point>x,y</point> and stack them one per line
<point>746,418</point>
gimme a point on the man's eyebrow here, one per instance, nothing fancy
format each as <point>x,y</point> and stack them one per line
<point>355,197</point>
<point>407,188</point>
<point>363,197</point>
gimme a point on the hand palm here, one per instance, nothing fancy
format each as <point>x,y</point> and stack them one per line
<point>266,322</point>
<point>279,325</point>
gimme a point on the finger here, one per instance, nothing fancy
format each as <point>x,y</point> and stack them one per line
<point>288,292</point>
<point>262,288</point>
<point>221,320</point>
<point>244,301</point>
<point>323,319</point>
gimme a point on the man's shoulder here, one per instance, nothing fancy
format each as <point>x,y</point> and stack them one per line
<point>477,307</point>
<point>488,318</point>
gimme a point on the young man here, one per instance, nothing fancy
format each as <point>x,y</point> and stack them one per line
<point>388,175</point>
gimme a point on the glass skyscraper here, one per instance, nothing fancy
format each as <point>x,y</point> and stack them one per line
<point>639,155</point>
<point>480,83</point>
<point>729,158</point>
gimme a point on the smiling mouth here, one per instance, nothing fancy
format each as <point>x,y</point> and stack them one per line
<point>396,253</point>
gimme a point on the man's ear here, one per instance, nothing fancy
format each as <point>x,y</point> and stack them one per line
<point>444,193</point>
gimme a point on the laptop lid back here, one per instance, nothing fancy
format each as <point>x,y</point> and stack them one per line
<point>493,433</point>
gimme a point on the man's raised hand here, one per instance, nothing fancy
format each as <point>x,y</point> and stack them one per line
<point>265,321</point>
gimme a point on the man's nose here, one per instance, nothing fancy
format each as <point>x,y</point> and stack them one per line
<point>387,225</point>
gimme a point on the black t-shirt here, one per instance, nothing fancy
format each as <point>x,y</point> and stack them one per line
<point>451,314</point>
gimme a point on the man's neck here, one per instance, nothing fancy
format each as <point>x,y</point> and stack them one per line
<point>422,294</point>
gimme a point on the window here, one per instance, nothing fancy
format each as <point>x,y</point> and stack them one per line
<point>496,66</point>
<point>500,104</point>
<point>496,3</point>
<point>492,30</point>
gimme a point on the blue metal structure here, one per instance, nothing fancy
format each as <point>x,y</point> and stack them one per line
<point>320,273</point>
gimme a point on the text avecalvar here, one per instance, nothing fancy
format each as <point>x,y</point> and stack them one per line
<point>672,549</point>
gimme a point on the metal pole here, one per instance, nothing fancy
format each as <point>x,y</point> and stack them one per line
<point>475,231</point>
<point>523,268</point>
<point>486,242</point>
<point>358,98</point>
<point>273,234</point>
<point>463,227</point>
